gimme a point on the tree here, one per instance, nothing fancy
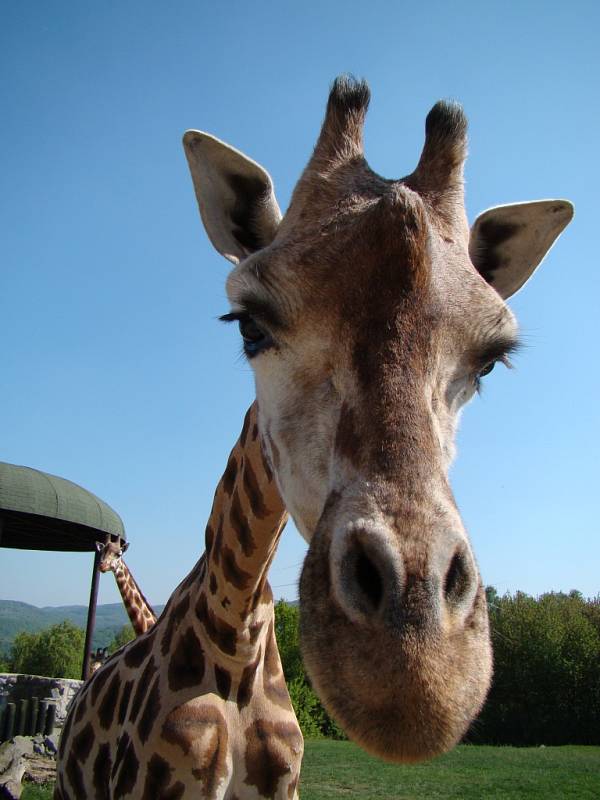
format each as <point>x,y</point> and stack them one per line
<point>546,684</point>
<point>287,633</point>
<point>56,652</point>
<point>492,596</point>
<point>125,635</point>
<point>312,717</point>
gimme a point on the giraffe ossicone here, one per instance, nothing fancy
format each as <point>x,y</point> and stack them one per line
<point>369,313</point>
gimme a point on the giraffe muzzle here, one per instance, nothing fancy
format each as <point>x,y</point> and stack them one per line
<point>394,631</point>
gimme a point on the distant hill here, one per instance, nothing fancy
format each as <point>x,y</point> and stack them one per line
<point>16,617</point>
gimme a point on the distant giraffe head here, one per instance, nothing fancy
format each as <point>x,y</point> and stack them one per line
<point>370,313</point>
<point>112,553</point>
<point>98,658</point>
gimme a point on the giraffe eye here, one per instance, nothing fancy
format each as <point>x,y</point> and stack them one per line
<point>486,370</point>
<point>255,339</point>
<point>251,333</point>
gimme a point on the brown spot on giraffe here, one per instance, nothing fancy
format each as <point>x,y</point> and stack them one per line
<point>101,772</point>
<point>158,779</point>
<point>220,632</point>
<point>109,701</point>
<point>174,620</point>
<point>150,712</point>
<point>245,428</point>
<point>209,538</point>
<point>80,751</point>
<point>270,751</point>
<point>253,493</point>
<point>142,688</point>
<point>138,651</point>
<point>223,681</point>
<point>239,522</point>
<point>126,767</point>
<point>186,662</point>
<point>245,688</point>
<point>274,685</point>
<point>267,468</point>
<point>229,475</point>
<point>124,702</point>
<point>232,572</point>
<point>193,723</point>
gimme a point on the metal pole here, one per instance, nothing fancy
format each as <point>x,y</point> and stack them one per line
<point>91,620</point>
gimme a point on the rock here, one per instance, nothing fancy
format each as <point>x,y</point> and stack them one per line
<point>39,769</point>
<point>26,757</point>
<point>51,744</point>
<point>15,748</point>
<point>12,766</point>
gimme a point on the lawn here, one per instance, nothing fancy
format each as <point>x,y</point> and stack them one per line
<point>341,770</point>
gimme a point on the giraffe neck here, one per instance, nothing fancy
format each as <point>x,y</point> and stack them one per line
<point>138,609</point>
<point>228,587</point>
<point>198,706</point>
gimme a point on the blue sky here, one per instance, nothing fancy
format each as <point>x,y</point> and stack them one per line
<point>115,372</point>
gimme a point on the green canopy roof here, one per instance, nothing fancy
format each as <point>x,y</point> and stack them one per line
<point>39,511</point>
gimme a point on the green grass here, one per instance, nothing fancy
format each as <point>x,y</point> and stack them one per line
<point>340,770</point>
<point>33,792</point>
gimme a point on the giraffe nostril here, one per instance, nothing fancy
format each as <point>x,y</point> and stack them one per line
<point>361,580</point>
<point>458,580</point>
<point>368,579</point>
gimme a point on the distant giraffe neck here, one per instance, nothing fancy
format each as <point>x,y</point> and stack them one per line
<point>138,609</point>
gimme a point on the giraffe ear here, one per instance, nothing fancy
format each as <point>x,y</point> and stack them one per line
<point>99,547</point>
<point>124,547</point>
<point>235,195</point>
<point>508,243</point>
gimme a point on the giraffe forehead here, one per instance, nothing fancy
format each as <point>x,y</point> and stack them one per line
<point>365,254</point>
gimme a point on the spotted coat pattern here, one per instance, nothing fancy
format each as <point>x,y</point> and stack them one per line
<point>197,707</point>
<point>140,612</point>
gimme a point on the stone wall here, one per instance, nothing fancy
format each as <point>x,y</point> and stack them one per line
<point>15,687</point>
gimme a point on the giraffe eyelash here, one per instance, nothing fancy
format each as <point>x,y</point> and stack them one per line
<point>500,359</point>
<point>234,316</point>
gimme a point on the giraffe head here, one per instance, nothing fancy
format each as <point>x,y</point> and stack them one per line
<point>370,313</point>
<point>98,658</point>
<point>112,552</point>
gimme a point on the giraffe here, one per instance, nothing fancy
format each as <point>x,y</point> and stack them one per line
<point>197,706</point>
<point>370,313</point>
<point>97,659</point>
<point>138,609</point>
